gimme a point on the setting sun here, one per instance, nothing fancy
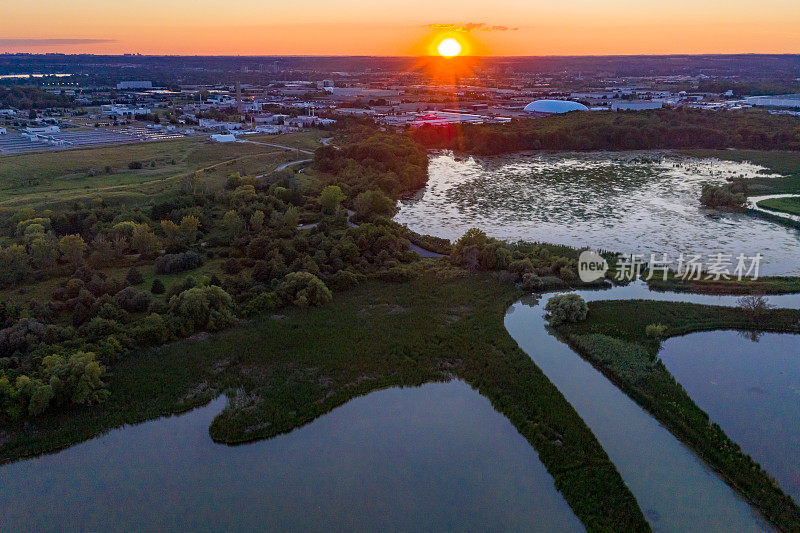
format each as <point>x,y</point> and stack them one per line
<point>449,47</point>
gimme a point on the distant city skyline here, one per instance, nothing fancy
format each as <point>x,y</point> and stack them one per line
<point>358,27</point>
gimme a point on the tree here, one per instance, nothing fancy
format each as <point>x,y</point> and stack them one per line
<point>73,248</point>
<point>330,198</point>
<point>76,378</point>
<point>303,289</point>
<point>755,307</point>
<point>257,221</point>
<point>207,307</point>
<point>374,203</point>
<point>291,218</point>
<point>157,287</point>
<point>190,224</point>
<point>231,224</point>
<point>565,308</point>
<point>134,277</point>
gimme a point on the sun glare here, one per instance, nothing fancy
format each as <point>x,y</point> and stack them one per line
<point>449,47</point>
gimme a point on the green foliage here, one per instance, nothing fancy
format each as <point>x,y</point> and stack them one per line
<point>374,203</point>
<point>134,276</point>
<point>207,307</point>
<point>173,263</point>
<point>266,301</point>
<point>303,289</point>
<point>75,379</point>
<point>330,198</point>
<point>790,206</point>
<point>566,308</point>
<point>392,164</point>
<point>655,330</point>
<point>608,130</point>
<point>157,287</point>
<point>721,196</point>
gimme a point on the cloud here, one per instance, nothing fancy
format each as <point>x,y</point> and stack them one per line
<point>468,27</point>
<point>52,42</point>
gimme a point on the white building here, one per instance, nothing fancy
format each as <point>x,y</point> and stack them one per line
<point>45,130</point>
<point>781,100</point>
<point>223,138</point>
<point>7,113</point>
<point>117,110</point>
<point>635,105</point>
<point>129,85</point>
<point>3,131</point>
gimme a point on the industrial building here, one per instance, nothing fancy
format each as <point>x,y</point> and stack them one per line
<point>780,100</point>
<point>553,107</point>
<point>635,105</point>
<point>133,85</point>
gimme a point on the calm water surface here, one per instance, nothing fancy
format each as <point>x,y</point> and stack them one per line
<point>751,389</point>
<point>436,457</point>
<point>637,202</point>
<point>675,489</point>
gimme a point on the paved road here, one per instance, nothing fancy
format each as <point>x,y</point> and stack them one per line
<point>290,163</point>
<point>277,146</point>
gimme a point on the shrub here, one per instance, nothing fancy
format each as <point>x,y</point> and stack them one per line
<point>133,300</point>
<point>266,301</point>
<point>721,196</point>
<point>566,308</point>
<point>207,307</point>
<point>655,330</point>
<point>75,379</point>
<point>303,289</point>
<point>344,279</point>
<point>531,282</point>
<point>173,263</point>
<point>157,287</point>
<point>134,277</point>
<point>374,203</point>
<point>135,165</point>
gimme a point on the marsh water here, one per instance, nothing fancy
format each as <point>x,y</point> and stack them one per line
<point>675,489</point>
<point>634,202</point>
<point>750,386</point>
<point>436,457</point>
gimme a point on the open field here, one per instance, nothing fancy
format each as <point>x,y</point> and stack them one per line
<point>61,177</point>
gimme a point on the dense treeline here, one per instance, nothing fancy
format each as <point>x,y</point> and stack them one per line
<point>371,160</point>
<point>605,130</point>
<point>31,98</point>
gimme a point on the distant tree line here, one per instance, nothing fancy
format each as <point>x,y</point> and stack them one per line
<point>32,98</point>
<point>681,128</point>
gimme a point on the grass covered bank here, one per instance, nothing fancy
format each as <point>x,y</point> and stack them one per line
<point>782,205</point>
<point>614,339</point>
<point>283,371</point>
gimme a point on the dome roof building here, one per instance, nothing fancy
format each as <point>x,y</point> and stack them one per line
<point>549,107</point>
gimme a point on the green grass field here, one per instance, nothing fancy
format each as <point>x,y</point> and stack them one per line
<point>53,178</point>
<point>782,205</point>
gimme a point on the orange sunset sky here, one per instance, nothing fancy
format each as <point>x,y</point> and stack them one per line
<point>360,27</point>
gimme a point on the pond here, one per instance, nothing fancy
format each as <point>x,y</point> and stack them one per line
<point>675,489</point>
<point>436,457</point>
<point>750,386</point>
<point>630,202</point>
